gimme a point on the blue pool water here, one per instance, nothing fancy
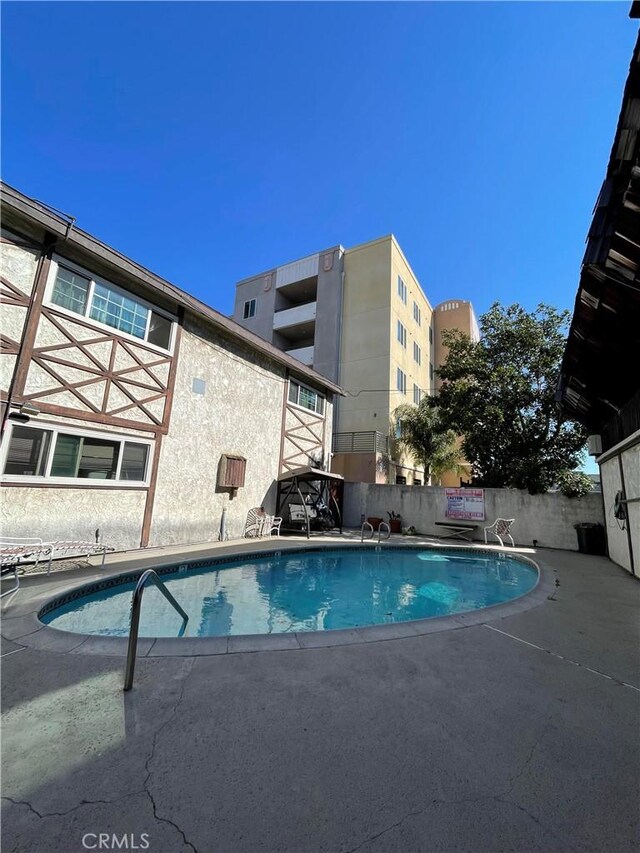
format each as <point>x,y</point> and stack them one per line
<point>306,591</point>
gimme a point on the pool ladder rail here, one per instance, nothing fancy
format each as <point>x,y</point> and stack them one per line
<point>380,526</point>
<point>136,604</point>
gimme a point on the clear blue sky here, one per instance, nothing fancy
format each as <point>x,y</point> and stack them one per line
<point>210,141</point>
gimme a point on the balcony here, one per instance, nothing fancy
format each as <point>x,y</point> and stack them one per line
<point>303,354</point>
<point>295,316</point>
<point>360,442</point>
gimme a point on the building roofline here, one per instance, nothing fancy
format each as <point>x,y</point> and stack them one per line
<point>337,246</point>
<point>64,226</point>
<point>393,239</point>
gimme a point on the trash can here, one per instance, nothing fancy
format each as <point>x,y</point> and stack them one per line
<point>591,538</point>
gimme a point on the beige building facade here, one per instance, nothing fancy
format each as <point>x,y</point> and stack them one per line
<point>132,412</point>
<point>360,316</point>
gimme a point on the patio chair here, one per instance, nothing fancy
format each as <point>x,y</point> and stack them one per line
<point>255,523</point>
<point>272,524</point>
<point>500,528</point>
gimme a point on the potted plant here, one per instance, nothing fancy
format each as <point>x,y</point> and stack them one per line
<point>374,521</point>
<point>395,522</point>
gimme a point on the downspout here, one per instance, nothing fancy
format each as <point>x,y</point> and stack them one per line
<point>336,397</point>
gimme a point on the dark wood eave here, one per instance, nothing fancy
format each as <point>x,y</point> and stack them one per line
<point>601,364</point>
<point>17,207</point>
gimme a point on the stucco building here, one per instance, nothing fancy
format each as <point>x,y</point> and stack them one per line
<point>128,406</point>
<point>360,317</point>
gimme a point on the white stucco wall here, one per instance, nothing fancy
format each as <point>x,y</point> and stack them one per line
<point>240,413</point>
<point>548,518</point>
<point>55,514</point>
<point>619,533</point>
<point>18,265</point>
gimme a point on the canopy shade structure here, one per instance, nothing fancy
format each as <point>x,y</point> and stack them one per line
<point>600,375</point>
<point>306,495</point>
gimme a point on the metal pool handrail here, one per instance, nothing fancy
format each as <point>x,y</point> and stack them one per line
<point>366,524</point>
<point>380,526</point>
<point>136,603</point>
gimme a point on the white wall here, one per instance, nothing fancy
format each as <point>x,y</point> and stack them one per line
<point>549,518</point>
<point>619,464</point>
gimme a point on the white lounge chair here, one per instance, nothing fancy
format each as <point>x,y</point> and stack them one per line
<point>500,528</point>
<point>13,550</point>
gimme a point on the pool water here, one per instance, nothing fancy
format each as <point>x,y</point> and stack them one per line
<point>306,591</point>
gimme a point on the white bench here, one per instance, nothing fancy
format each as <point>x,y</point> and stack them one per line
<point>457,530</point>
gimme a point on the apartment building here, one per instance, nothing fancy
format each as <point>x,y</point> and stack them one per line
<point>452,314</point>
<point>360,317</point>
<point>131,410</point>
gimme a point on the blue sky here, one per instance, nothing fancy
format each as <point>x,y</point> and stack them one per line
<point>210,141</point>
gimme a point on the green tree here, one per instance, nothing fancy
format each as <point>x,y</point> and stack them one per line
<point>424,435</point>
<point>499,394</point>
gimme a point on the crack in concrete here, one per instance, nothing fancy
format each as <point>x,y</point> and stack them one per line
<point>539,823</point>
<point>417,812</point>
<point>146,783</point>
<point>79,805</point>
<point>557,655</point>
<point>513,779</point>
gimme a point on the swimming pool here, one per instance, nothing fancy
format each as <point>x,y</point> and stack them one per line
<point>302,590</point>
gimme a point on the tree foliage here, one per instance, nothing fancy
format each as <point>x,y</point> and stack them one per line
<point>574,484</point>
<point>425,436</point>
<point>499,394</point>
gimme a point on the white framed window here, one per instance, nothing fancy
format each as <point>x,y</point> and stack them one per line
<point>75,291</point>
<point>249,309</point>
<point>417,314</point>
<point>307,398</point>
<point>417,353</point>
<point>417,394</point>
<point>401,381</point>
<point>402,290</point>
<point>401,333</point>
<point>56,454</point>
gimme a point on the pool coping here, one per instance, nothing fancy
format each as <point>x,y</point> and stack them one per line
<point>22,624</point>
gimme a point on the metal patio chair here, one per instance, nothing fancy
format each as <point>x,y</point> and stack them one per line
<point>500,528</point>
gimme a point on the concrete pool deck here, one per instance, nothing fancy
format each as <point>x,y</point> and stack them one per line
<point>515,733</point>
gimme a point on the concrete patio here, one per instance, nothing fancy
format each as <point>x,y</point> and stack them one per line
<point>513,734</point>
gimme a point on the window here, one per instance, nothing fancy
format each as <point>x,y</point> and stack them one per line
<point>402,334</point>
<point>417,395</point>
<point>118,311</point>
<point>52,453</point>
<point>430,335</point>
<point>300,395</point>
<point>401,481</point>
<point>398,428</point>
<point>431,371</point>
<point>27,454</point>
<point>417,482</point>
<point>109,305</point>
<point>417,316</point>
<point>401,381</point>
<point>249,309</point>
<point>402,290</point>
<point>417,353</point>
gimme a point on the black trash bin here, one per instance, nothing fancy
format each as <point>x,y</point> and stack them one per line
<point>591,538</point>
